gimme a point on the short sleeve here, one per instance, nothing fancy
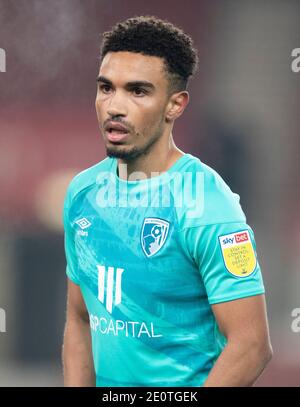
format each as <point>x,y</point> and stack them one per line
<point>69,243</point>
<point>226,257</point>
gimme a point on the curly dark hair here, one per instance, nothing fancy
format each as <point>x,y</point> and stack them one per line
<point>152,36</point>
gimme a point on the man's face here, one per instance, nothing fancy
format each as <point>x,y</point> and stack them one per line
<point>131,101</point>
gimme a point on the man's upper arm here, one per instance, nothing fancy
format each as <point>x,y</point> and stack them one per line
<point>69,242</point>
<point>75,303</point>
<point>76,308</point>
<point>243,319</point>
<point>225,255</point>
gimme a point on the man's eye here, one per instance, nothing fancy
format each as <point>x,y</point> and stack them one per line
<point>105,88</point>
<point>138,91</point>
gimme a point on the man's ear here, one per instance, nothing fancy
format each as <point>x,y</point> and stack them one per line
<point>177,103</point>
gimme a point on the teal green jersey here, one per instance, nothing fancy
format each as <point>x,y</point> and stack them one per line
<point>151,256</point>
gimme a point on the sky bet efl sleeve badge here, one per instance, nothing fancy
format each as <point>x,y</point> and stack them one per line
<point>238,253</point>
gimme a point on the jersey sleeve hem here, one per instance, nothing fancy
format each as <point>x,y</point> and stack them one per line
<point>216,300</point>
<point>71,276</point>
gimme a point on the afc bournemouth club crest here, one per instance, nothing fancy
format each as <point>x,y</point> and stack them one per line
<point>154,234</point>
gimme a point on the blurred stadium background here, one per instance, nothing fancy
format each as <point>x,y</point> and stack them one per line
<point>243,119</point>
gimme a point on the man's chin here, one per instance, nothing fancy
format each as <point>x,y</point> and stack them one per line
<point>122,152</point>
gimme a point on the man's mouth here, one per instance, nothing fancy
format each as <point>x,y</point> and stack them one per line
<point>116,132</point>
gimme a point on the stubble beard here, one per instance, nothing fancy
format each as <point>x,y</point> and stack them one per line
<point>131,153</point>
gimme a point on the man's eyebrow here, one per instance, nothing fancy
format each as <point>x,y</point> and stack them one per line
<point>103,79</point>
<point>130,84</point>
<point>140,84</point>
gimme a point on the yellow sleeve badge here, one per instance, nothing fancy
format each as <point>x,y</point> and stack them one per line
<point>238,253</point>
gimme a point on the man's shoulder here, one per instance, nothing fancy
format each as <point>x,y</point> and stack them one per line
<point>212,199</point>
<point>87,178</point>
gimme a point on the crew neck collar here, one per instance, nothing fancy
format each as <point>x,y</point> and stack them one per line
<point>174,167</point>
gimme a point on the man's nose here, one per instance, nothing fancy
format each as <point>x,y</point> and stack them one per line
<point>117,105</point>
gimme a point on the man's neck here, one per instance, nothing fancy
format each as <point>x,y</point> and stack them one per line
<point>149,165</point>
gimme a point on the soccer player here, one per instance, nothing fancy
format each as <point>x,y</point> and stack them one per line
<point>164,286</point>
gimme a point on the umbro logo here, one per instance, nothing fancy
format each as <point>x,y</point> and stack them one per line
<point>83,223</point>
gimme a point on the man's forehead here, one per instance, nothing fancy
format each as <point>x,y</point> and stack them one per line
<point>131,66</point>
